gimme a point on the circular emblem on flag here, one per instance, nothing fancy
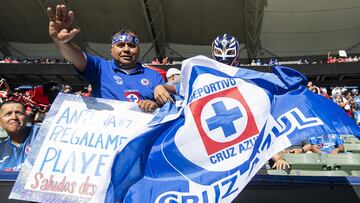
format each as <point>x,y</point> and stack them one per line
<point>221,128</point>
<point>145,82</point>
<point>27,149</point>
<point>132,97</point>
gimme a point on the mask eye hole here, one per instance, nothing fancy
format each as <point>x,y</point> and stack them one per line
<point>231,52</point>
<point>217,52</point>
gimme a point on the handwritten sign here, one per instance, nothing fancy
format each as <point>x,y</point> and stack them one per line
<point>72,156</point>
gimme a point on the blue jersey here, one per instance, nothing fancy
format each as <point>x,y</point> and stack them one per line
<point>110,82</point>
<point>327,143</point>
<point>12,156</point>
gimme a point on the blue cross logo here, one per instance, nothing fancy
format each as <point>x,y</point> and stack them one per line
<point>224,118</point>
<point>132,98</point>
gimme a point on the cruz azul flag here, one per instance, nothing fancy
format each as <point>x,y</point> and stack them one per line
<point>73,153</point>
<point>232,121</point>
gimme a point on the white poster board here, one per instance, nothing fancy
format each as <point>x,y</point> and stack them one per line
<point>72,156</point>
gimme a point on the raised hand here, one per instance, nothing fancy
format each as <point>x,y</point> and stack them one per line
<point>60,29</point>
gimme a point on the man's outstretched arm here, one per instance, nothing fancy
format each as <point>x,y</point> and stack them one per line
<point>61,32</point>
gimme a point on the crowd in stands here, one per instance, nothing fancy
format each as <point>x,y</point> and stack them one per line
<point>168,61</point>
<point>346,98</point>
<point>37,99</point>
<point>330,59</point>
<point>163,61</point>
<point>33,61</point>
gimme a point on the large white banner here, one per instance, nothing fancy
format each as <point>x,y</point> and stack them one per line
<point>71,159</point>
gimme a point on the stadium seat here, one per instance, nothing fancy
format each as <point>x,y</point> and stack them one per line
<point>350,139</point>
<point>317,173</point>
<point>354,148</point>
<point>310,161</point>
<point>277,172</point>
<point>355,173</point>
<point>346,161</point>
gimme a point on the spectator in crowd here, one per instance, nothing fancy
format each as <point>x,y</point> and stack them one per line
<point>253,63</point>
<point>87,91</point>
<point>298,148</point>
<point>356,99</point>
<point>155,61</point>
<point>67,89</point>
<point>346,102</point>
<point>273,62</point>
<point>5,90</point>
<point>225,49</point>
<point>341,60</point>
<point>173,76</point>
<point>279,163</point>
<point>336,91</point>
<point>17,146</point>
<point>258,62</point>
<point>317,90</point>
<point>327,144</point>
<point>355,59</point>
<point>227,52</point>
<point>165,61</point>
<point>9,60</point>
<point>122,78</point>
<point>323,92</point>
<point>330,59</point>
<point>313,88</point>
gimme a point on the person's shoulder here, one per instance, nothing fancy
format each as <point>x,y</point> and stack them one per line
<point>3,143</point>
<point>33,129</point>
<point>94,57</point>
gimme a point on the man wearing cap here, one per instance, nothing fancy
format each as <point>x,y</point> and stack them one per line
<point>173,76</point>
<point>121,78</point>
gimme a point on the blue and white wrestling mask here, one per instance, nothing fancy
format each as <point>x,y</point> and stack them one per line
<point>225,49</point>
<point>124,37</point>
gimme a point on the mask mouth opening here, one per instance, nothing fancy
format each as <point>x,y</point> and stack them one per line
<point>226,61</point>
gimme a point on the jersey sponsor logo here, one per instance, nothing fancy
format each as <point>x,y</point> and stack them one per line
<point>118,80</point>
<point>132,95</point>
<point>145,82</point>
